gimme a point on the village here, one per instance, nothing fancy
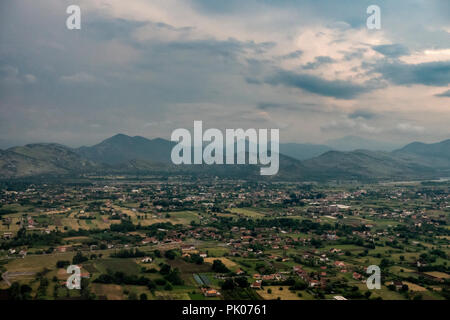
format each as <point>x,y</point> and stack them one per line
<point>225,240</point>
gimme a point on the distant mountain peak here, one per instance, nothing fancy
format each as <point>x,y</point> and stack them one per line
<point>122,148</point>
<point>350,143</point>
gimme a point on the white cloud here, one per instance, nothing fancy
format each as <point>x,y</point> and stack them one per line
<point>30,78</point>
<point>79,78</point>
<point>409,128</point>
<point>425,56</point>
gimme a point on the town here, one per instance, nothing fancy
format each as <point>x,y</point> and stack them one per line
<point>217,239</point>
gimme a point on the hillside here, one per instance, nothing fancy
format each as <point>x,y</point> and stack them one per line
<point>122,148</point>
<point>364,164</point>
<point>435,150</point>
<point>303,151</point>
<point>41,159</point>
<point>137,155</point>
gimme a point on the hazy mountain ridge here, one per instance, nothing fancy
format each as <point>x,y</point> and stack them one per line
<point>122,148</point>
<point>437,150</point>
<point>350,143</point>
<point>303,151</point>
<point>41,159</point>
<point>138,155</point>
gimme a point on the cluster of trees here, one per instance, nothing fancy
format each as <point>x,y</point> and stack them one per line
<point>132,253</point>
<point>122,278</point>
<point>19,292</point>
<point>62,264</point>
<point>79,258</point>
<point>232,283</point>
<point>23,238</point>
<point>194,258</point>
<point>219,267</point>
<point>171,275</point>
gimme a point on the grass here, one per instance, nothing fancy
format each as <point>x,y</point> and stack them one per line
<point>127,266</point>
<point>35,263</point>
<point>227,262</point>
<point>110,291</point>
<point>276,293</point>
<point>251,213</point>
<point>437,274</point>
<point>414,287</point>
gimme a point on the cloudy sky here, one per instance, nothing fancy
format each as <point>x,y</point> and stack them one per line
<point>146,67</point>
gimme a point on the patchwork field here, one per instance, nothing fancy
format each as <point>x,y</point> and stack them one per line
<point>276,293</point>
<point>227,262</point>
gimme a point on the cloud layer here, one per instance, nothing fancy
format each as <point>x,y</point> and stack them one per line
<point>310,68</point>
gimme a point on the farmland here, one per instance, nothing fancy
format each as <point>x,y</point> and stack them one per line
<point>173,241</point>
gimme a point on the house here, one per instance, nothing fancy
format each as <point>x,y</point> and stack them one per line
<point>339,264</point>
<point>208,292</point>
<point>268,277</point>
<point>256,285</point>
<point>187,248</point>
<point>397,284</point>
<point>240,272</point>
<point>356,276</point>
<point>7,235</point>
<point>62,249</point>
<point>147,260</point>
<point>313,283</point>
<point>297,268</point>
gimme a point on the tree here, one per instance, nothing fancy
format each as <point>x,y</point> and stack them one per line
<point>242,282</point>
<point>168,287</point>
<point>165,269</point>
<point>174,277</point>
<point>228,285</point>
<point>79,258</point>
<point>143,296</point>
<point>62,264</point>
<point>20,292</point>
<point>219,267</point>
<point>170,254</point>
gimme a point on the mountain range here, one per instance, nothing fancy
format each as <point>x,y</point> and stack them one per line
<point>298,162</point>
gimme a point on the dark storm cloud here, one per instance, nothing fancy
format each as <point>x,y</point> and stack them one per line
<point>391,50</point>
<point>318,61</point>
<point>102,28</point>
<point>128,68</point>
<point>292,55</point>
<point>330,88</point>
<point>290,107</point>
<point>431,73</point>
<point>230,47</point>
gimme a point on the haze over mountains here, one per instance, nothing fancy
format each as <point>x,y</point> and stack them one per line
<point>300,162</point>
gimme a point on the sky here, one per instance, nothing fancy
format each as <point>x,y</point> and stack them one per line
<point>309,68</point>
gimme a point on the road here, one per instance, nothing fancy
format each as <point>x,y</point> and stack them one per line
<point>7,275</point>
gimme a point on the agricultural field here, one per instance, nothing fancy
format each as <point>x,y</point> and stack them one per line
<point>151,245</point>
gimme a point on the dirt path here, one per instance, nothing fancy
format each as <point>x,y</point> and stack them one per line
<point>7,275</point>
